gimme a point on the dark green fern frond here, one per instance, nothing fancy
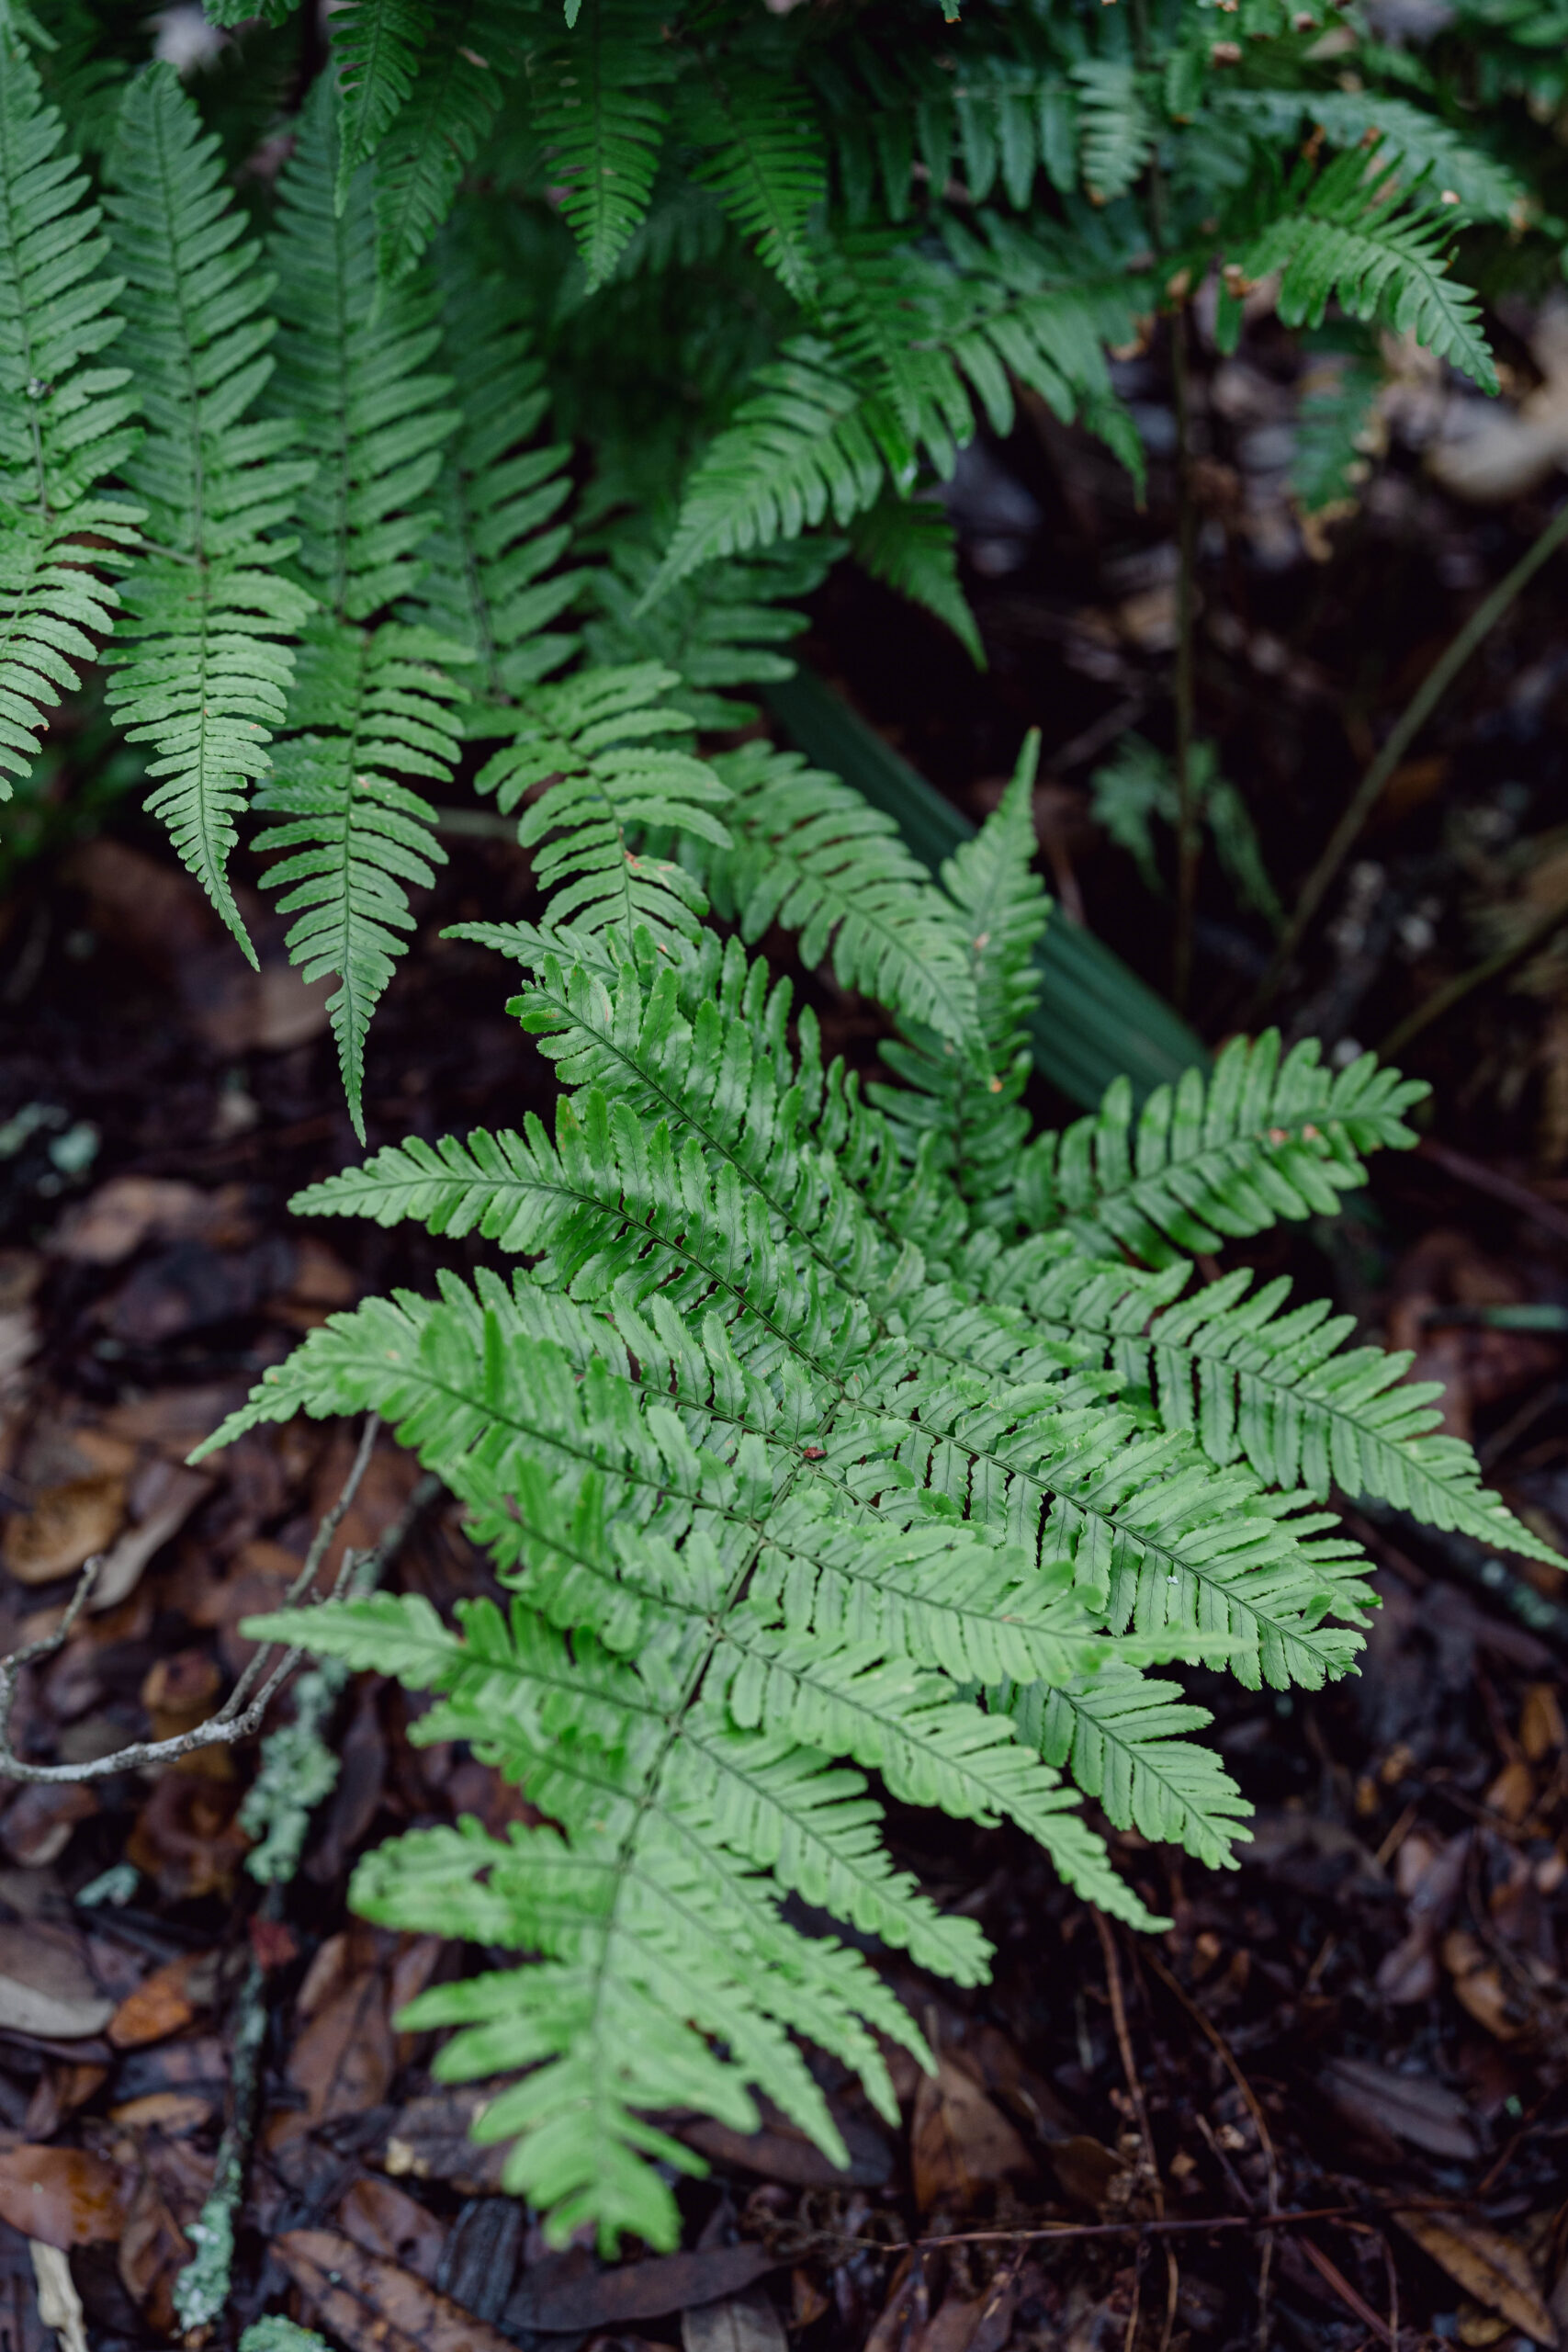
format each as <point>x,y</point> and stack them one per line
<point>1260,1139</point>
<point>595,108</point>
<point>718,627</point>
<point>811,854</point>
<point>202,663</point>
<point>350,358</point>
<point>1357,235</point>
<point>490,579</point>
<point>763,162</point>
<point>378,47</point>
<point>1421,143</point>
<point>800,450</point>
<point>376,707</point>
<point>1116,126</point>
<point>63,426</point>
<point>475,50</point>
<point>588,740</point>
<point>908,544</point>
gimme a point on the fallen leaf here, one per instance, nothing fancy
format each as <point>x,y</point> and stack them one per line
<point>59,2091</point>
<point>431,2141</point>
<point>65,1526</point>
<point>374,2305</point>
<point>40,1817</point>
<point>387,2220</point>
<point>344,2058</point>
<point>978,2323</point>
<point>154,2250</point>
<point>959,2140</point>
<point>1478,1985</point>
<point>186,1836</point>
<point>121,1215</point>
<point>172,2112</point>
<point>63,2195</point>
<point>179,1691</point>
<point>1416,2108</point>
<point>1487,2265</point>
<point>1542,1729</point>
<point>782,2152</point>
<point>46,1987</point>
<point>1088,2171</point>
<point>479,2259</point>
<point>902,2315</point>
<point>59,2304</point>
<point>166,2001</point>
<point>737,2324</point>
<point>162,1500</point>
<point>605,2299</point>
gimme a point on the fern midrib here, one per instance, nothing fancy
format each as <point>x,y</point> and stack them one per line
<point>23,312</point>
<point>187,363</point>
<point>434,87</point>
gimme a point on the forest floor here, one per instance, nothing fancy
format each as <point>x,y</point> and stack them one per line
<point>1363,2030</point>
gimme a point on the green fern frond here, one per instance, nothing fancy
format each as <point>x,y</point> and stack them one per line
<point>1121,1733</point>
<point>1116,126</point>
<point>800,450</point>
<point>595,108</point>
<point>1420,144</point>
<point>811,854</point>
<point>355,835</point>
<point>1217,1157</point>
<point>378,46</point>
<point>718,627</point>
<point>350,357</point>
<point>763,162</point>
<point>475,50</point>
<point>202,671</point>
<point>969,1105</point>
<point>587,740</point>
<point>491,580</point>
<point>63,426</point>
<point>1354,234</point>
<point>1336,427</point>
<point>911,546</point>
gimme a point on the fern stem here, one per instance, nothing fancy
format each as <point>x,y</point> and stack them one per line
<point>1417,712</point>
<point>1187,835</point>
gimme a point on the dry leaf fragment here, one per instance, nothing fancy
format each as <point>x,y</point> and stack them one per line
<point>959,2142</point>
<point>737,2323</point>
<point>1416,2108</point>
<point>65,1526</point>
<point>1487,2265</point>
<point>66,2197</point>
<point>46,1987</point>
<point>373,2304</point>
<point>129,1210</point>
<point>166,2001</point>
<point>568,2304</point>
<point>387,2220</point>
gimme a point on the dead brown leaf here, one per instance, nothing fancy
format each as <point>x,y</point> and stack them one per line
<point>737,2324</point>
<point>977,2323</point>
<point>65,1526</point>
<point>1090,2172</point>
<point>1478,1985</point>
<point>1416,2108</point>
<point>1488,2265</point>
<point>186,1836</point>
<point>120,1216</point>
<point>166,2001</point>
<point>959,2140</point>
<point>172,2112</point>
<point>387,2220</point>
<point>64,2196</point>
<point>39,1820</point>
<point>154,2250</point>
<point>344,2058</point>
<point>903,2317</point>
<point>46,1985</point>
<point>607,2299</point>
<point>373,2304</point>
<point>431,2141</point>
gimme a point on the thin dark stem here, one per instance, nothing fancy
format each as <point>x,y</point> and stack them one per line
<point>1443,1001</point>
<point>1188,837</point>
<point>1419,709</point>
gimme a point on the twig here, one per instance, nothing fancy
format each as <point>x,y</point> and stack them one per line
<point>1207,2224</point>
<point>1187,834</point>
<point>1491,967</point>
<point>1417,712</point>
<point>1332,2276</point>
<point>1139,2109</point>
<point>234,1721</point>
<point>1260,2124</point>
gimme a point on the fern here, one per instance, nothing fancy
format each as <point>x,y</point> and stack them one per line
<point>377,45</point>
<point>762,165</point>
<point>476,49</point>
<point>63,425</point>
<point>1381,251</point>
<point>1115,126</point>
<point>203,665</point>
<point>718,628</point>
<point>373,706</point>
<point>593,105</point>
<point>1259,1140</point>
<point>911,548</point>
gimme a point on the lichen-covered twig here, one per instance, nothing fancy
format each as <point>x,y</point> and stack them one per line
<point>240,1715</point>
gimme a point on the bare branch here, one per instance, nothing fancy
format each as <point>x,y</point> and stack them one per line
<point>240,1715</point>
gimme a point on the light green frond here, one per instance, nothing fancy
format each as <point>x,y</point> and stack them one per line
<point>202,667</point>
<point>474,49</point>
<point>377,45</point>
<point>1116,126</point>
<point>1215,1158</point>
<point>594,106</point>
<point>718,627</point>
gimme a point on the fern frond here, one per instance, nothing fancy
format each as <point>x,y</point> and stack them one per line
<point>350,358</point>
<point>54,612</point>
<point>378,46</point>
<point>1355,236</point>
<point>1217,1157</point>
<point>800,449</point>
<point>587,738</point>
<point>490,580</point>
<point>969,1105</point>
<point>1116,126</point>
<point>717,628</point>
<point>355,835</point>
<point>1121,1733</point>
<point>910,546</point>
<point>595,108</point>
<point>1421,143</point>
<point>1255,1381</point>
<point>763,162</point>
<point>811,854</point>
<point>475,50</point>
<point>202,665</point>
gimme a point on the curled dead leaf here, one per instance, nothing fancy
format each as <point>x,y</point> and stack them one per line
<point>1488,2265</point>
<point>64,2197</point>
<point>65,1526</point>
